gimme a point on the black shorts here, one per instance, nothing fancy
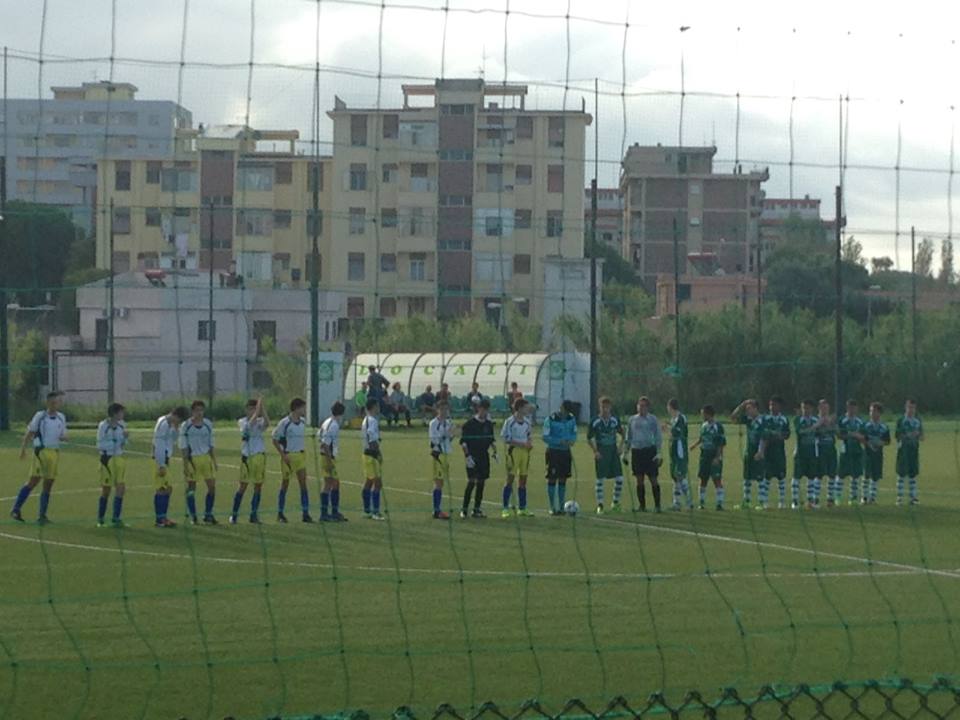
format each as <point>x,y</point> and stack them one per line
<point>481,467</point>
<point>558,464</point>
<point>642,462</point>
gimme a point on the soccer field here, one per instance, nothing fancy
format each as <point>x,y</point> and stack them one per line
<point>258,621</point>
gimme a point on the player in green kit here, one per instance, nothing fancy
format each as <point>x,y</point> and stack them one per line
<point>776,432</point>
<point>805,463</point>
<point>850,428</point>
<point>827,452</point>
<point>604,437</point>
<point>877,436</point>
<point>909,433</point>
<point>711,443</point>
<point>679,455</point>
<point>748,413</point>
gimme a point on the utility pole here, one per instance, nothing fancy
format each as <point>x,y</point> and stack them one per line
<point>4,330</point>
<point>210,326</point>
<point>315,298</point>
<point>594,370</point>
<point>676,296</point>
<point>913,298</point>
<point>759,291</point>
<point>111,351</point>
<point>838,306</point>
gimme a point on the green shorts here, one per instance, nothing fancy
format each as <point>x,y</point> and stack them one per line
<point>806,465</point>
<point>753,469</point>
<point>851,465</point>
<point>873,465</point>
<point>775,463</point>
<point>828,462</point>
<point>708,469</point>
<point>908,461</point>
<point>679,466</point>
<point>608,464</point>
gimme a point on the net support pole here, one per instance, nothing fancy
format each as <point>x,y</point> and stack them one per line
<point>759,290</point>
<point>4,329</point>
<point>838,302</point>
<point>315,299</point>
<point>111,351</point>
<point>676,296</point>
<point>594,370</point>
<point>210,331</point>
<point>913,298</point>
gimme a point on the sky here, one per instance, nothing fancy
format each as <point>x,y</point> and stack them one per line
<point>768,83</point>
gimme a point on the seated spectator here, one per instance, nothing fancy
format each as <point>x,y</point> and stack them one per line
<point>513,394</point>
<point>443,394</point>
<point>398,404</point>
<point>474,397</point>
<point>426,403</point>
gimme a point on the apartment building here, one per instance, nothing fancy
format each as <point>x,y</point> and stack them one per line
<point>778,215</point>
<point>455,202</point>
<point>52,146</point>
<point>609,216</point>
<point>717,215</point>
<point>232,196</point>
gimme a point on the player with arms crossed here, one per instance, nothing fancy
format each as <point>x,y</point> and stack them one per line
<point>253,458</point>
<point>827,452</point>
<point>748,414</point>
<point>112,435</point>
<point>850,429</point>
<point>679,455</point>
<point>604,438</point>
<point>329,438</point>
<point>776,432</point>
<point>476,440</point>
<point>517,434</point>
<point>559,434</point>
<point>372,461</point>
<point>440,433</point>
<point>711,443</point>
<point>805,461</point>
<point>165,434</point>
<point>289,438</point>
<point>45,431</point>
<point>909,433</point>
<point>877,435</point>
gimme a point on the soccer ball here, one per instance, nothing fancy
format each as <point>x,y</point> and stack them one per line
<point>571,507</point>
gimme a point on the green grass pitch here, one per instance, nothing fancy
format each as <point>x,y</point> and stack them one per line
<point>258,621</point>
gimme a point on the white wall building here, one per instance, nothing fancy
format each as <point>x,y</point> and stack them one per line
<point>161,331</point>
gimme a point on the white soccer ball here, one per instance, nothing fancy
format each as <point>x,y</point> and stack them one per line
<point>571,507</point>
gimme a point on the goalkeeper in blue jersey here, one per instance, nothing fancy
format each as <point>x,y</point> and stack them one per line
<point>559,434</point>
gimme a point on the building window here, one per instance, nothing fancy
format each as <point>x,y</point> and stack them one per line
<point>177,180</point>
<point>523,307</point>
<point>265,333</point>
<point>388,307</point>
<point>493,226</point>
<point>554,223</point>
<point>150,381</point>
<point>358,219</point>
<point>206,382</point>
<point>456,200</point>
<point>555,132</point>
<point>524,175</point>
<point>494,178</point>
<point>148,261</point>
<point>416,223</point>
<point>255,223</point>
<point>388,262</point>
<point>524,128</point>
<point>358,176</point>
<point>255,177</point>
<point>121,221</point>
<point>391,127</point>
<point>262,380</point>
<point>462,109</point>
<point>388,217</point>
<point>418,267</point>
<point>206,331</point>
<point>314,220</point>
<point>416,306</point>
<point>355,266</point>
<point>521,264</point>
<point>151,217</point>
<point>283,173</point>
<point>354,307</point>
<point>555,178</point>
<point>522,219</point>
<point>390,173</point>
<point>121,176</point>
<point>358,130</point>
<point>282,219</point>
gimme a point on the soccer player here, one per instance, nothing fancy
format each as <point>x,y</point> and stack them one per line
<point>679,455</point>
<point>289,440</point>
<point>199,461</point>
<point>165,434</point>
<point>877,436</point>
<point>805,463</point>
<point>253,458</point>
<point>775,434</point>
<point>329,437</point>
<point>644,440</point>
<point>909,433</point>
<point>440,433</point>
<point>112,435</point>
<point>748,414</point>
<point>45,431</point>
<point>827,452</point>
<point>604,438</point>
<point>850,428</point>
<point>711,443</point>
<point>559,433</point>
<point>476,440</point>
<point>517,434</point>
<point>372,461</point>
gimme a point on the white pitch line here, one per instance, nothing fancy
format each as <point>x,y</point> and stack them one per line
<point>903,567</point>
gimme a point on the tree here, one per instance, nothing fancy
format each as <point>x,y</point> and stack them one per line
<point>28,355</point>
<point>802,231</point>
<point>880,264</point>
<point>923,260</point>
<point>803,277</point>
<point>947,274</point>
<point>852,251</point>
<point>615,268</point>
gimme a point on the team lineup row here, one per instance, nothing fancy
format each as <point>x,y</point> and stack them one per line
<point>635,443</point>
